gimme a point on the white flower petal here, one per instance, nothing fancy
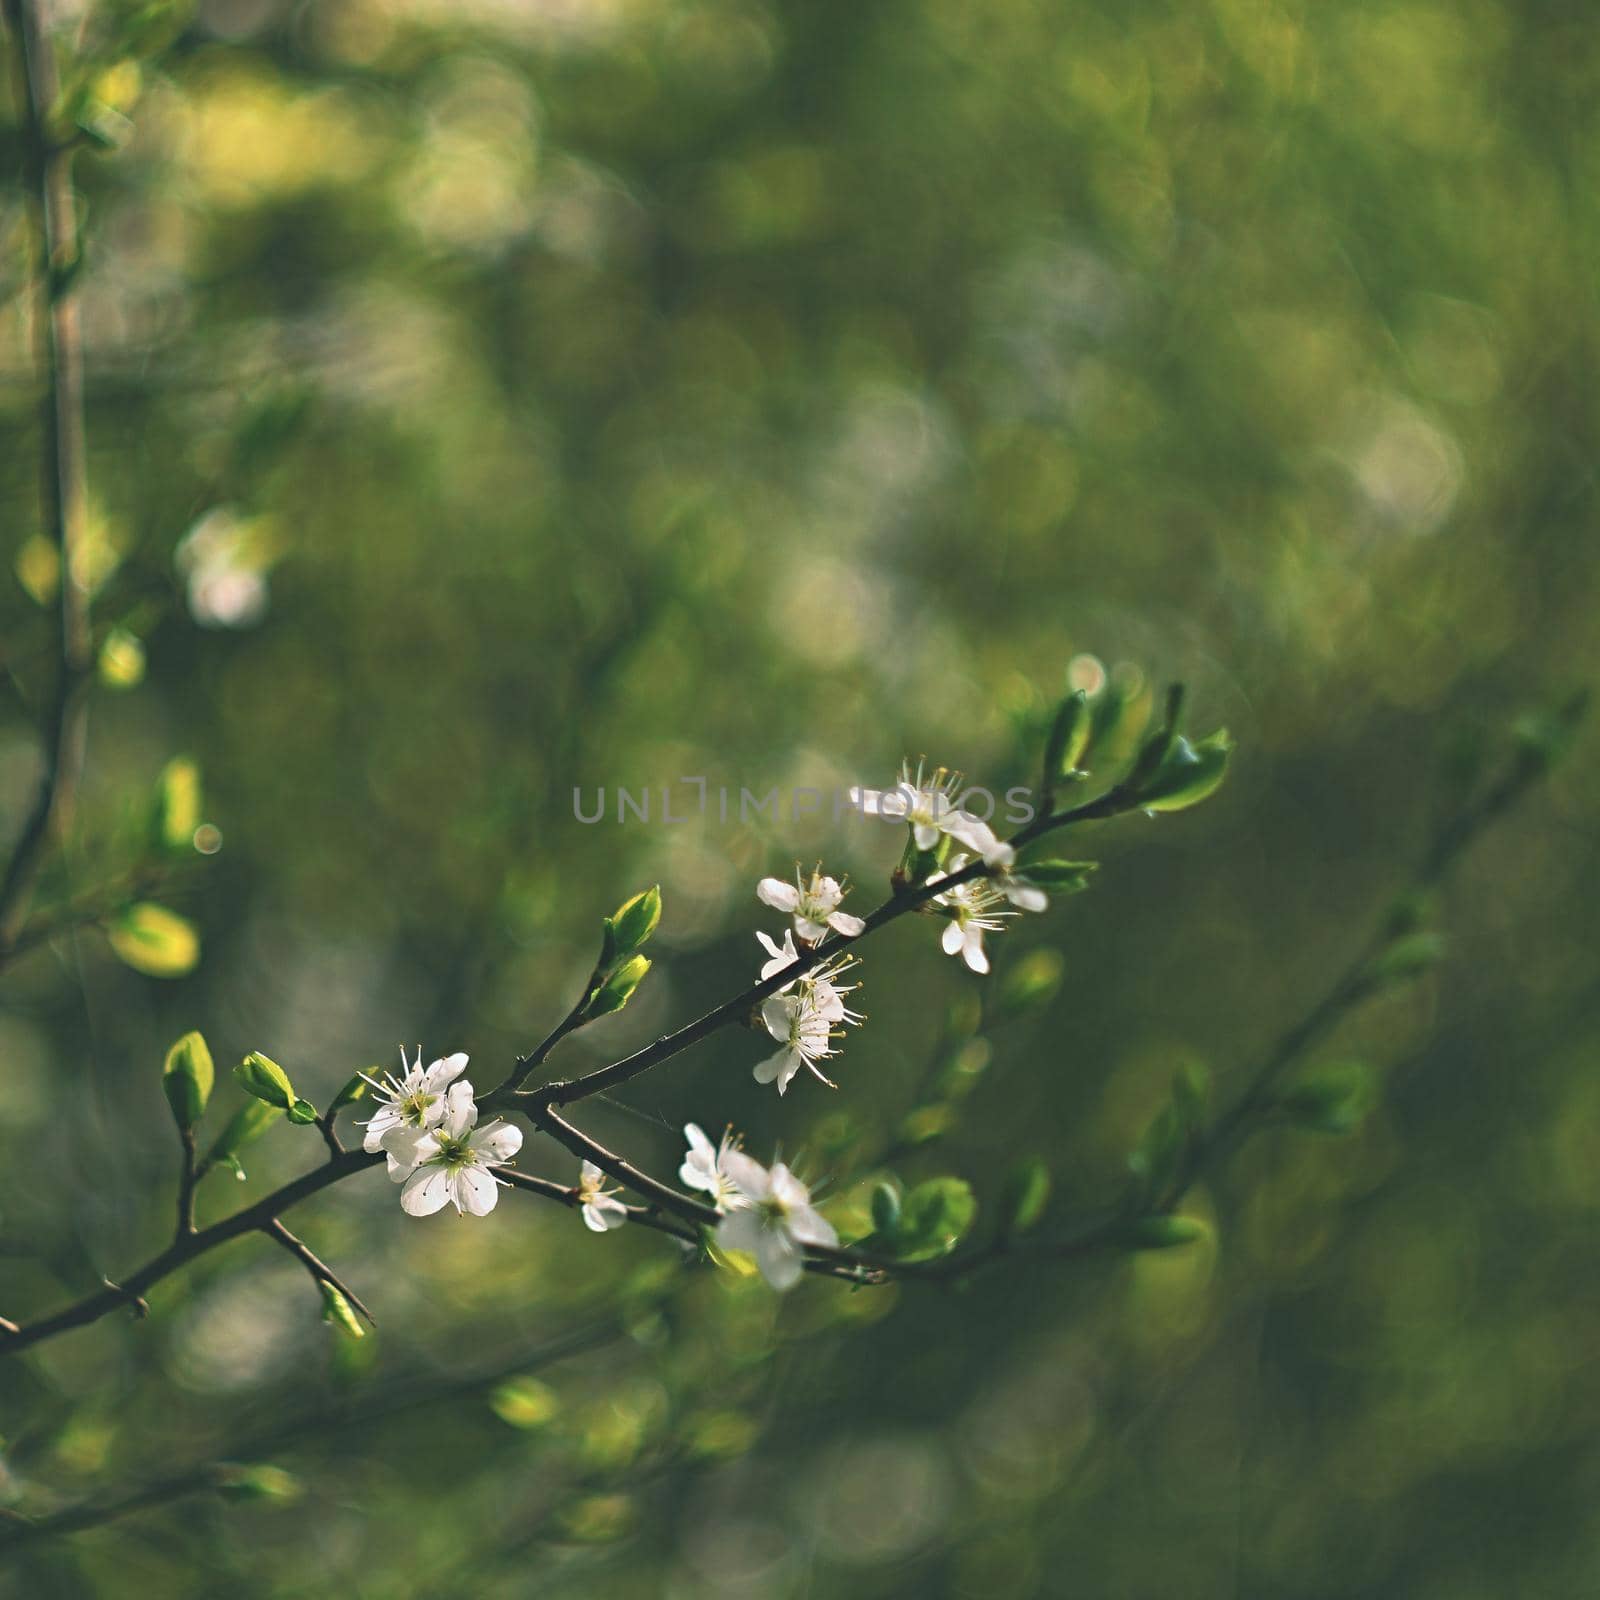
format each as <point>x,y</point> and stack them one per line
<point>779,1258</point>
<point>778,894</point>
<point>475,1191</point>
<point>951,939</point>
<point>776,1014</point>
<point>603,1213</point>
<point>925,835</point>
<point>496,1142</point>
<point>748,1175</point>
<point>1026,896</point>
<point>766,1071</point>
<point>809,1226</point>
<point>808,930</point>
<point>740,1230</point>
<point>843,923</point>
<point>972,951</point>
<point>427,1190</point>
<point>460,1110</point>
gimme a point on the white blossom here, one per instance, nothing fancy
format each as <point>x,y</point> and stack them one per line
<point>776,1221</point>
<point>805,1018</point>
<point>706,1168</point>
<point>927,804</point>
<point>454,1160</point>
<point>813,903</point>
<point>979,906</point>
<point>602,1211</point>
<point>408,1106</point>
<point>222,560</point>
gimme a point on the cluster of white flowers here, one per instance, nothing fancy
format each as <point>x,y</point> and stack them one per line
<point>805,1016</point>
<point>427,1125</point>
<point>766,1211</point>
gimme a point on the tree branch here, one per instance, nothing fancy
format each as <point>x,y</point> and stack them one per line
<point>48,172</point>
<point>320,1271</point>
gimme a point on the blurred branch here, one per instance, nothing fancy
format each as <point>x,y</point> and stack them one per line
<point>400,1396</point>
<point>48,177</point>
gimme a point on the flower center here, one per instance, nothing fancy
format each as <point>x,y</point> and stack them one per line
<point>414,1108</point>
<point>454,1152</point>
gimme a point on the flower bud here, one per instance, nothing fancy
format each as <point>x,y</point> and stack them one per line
<point>337,1310</point>
<point>618,989</point>
<point>632,923</point>
<point>1188,774</point>
<point>266,1080</point>
<point>1161,1232</point>
<point>186,1080</point>
<point>1026,1194</point>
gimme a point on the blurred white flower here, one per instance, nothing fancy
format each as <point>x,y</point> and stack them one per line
<point>813,903</point>
<point>706,1168</point>
<point>408,1106</point>
<point>782,955</point>
<point>223,560</point>
<point>602,1211</point>
<point>454,1158</point>
<point>776,1222</point>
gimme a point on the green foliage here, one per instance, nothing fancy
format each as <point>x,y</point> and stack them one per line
<point>1161,1232</point>
<point>934,1217</point>
<point>1331,1099</point>
<point>186,1079</point>
<point>247,1123</point>
<point>631,924</point>
<point>262,1077</point>
<point>338,1312</point>
<point>1025,1196</point>
<point>615,992</point>
<point>155,941</point>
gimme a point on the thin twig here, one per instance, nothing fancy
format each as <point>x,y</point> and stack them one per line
<point>187,1179</point>
<point>319,1269</point>
<point>48,170</point>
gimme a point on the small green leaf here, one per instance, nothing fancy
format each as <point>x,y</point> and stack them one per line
<point>186,1079</point>
<point>933,1218</point>
<point>337,1310</point>
<point>1189,774</point>
<point>1032,983</point>
<point>155,941</point>
<point>121,662</point>
<point>1332,1099</point>
<point>885,1210</point>
<point>251,1119</point>
<point>177,804</point>
<point>1191,1094</point>
<point>1161,1232</point>
<point>926,1124</point>
<point>1155,1160</point>
<point>523,1402</point>
<point>356,1088</point>
<point>1025,1196</point>
<point>245,1483</point>
<point>1062,877</point>
<point>632,923</point>
<point>1407,957</point>
<point>302,1112</point>
<point>266,1080</point>
<point>618,989</point>
<point>1069,738</point>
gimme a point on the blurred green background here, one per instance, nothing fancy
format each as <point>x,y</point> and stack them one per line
<point>595,392</point>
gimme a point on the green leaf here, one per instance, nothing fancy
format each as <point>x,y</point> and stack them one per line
<point>1161,1233</point>
<point>523,1402</point>
<point>337,1310</point>
<point>1069,738</point>
<point>933,1218</point>
<point>618,989</point>
<point>1189,774</point>
<point>632,923</point>
<point>302,1112</point>
<point>885,1210</point>
<point>253,1118</point>
<point>1191,1094</point>
<point>356,1088</point>
<point>155,941</point>
<point>177,804</point>
<point>1025,1196</point>
<point>1332,1099</point>
<point>926,1124</point>
<point>1155,1160</point>
<point>1063,877</point>
<point>186,1079</point>
<point>245,1483</point>
<point>266,1080</point>
<point>1408,957</point>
